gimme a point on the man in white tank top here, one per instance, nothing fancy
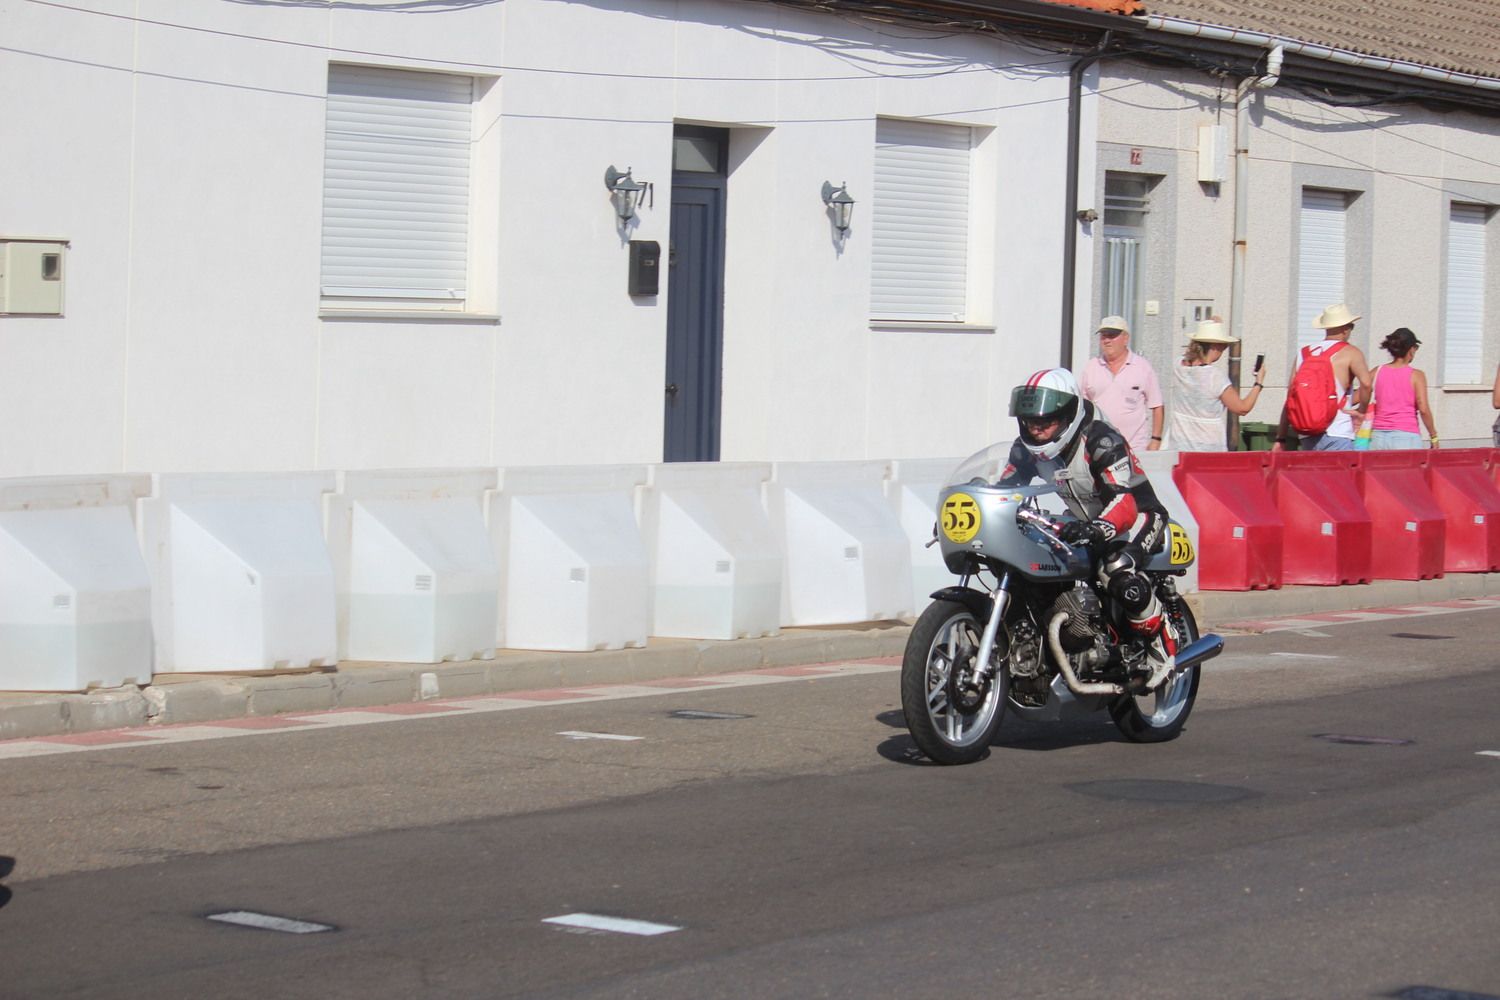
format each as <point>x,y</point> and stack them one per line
<point>1348,362</point>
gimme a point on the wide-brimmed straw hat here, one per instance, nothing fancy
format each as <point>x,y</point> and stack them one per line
<point>1211,331</point>
<point>1334,316</point>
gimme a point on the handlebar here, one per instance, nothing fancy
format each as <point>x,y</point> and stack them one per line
<point>1047,528</point>
<point>1037,519</point>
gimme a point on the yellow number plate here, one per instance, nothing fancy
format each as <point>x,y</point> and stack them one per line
<point>960,518</point>
<point>1182,546</point>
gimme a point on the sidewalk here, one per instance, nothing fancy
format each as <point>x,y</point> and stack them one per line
<point>186,698</point>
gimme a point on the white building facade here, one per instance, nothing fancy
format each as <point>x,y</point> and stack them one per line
<point>349,236</point>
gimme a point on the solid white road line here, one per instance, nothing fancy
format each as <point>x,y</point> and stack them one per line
<point>576,735</point>
<point>618,925</point>
<point>1307,656</point>
<point>266,922</point>
<point>1489,753</point>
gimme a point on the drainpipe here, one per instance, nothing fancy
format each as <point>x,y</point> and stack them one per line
<point>1070,224</point>
<point>1242,95</point>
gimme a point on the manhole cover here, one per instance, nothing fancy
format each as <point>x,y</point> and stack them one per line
<point>1379,741</point>
<point>1151,790</point>
<point>1418,635</point>
<point>695,713</point>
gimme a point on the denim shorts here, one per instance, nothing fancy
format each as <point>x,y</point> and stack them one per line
<point>1326,442</point>
<point>1386,440</point>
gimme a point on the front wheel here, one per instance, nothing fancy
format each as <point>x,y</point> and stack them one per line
<point>951,716</point>
<point>1159,715</point>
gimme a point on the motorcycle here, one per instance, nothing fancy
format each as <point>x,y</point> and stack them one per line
<point>1043,639</point>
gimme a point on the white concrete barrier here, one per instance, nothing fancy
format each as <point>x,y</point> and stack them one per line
<point>847,559</point>
<point>912,491</point>
<point>715,564</point>
<point>75,596</point>
<point>241,578</point>
<point>574,574</point>
<point>417,577</point>
<point>1158,465</point>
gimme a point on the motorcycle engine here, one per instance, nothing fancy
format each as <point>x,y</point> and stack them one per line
<point>1085,618</point>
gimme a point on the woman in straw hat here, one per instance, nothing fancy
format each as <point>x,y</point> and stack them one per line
<point>1203,393</point>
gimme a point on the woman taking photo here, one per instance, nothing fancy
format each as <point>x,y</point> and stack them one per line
<point>1203,394</point>
<point>1400,396</point>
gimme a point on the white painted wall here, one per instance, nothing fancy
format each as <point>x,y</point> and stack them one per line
<point>179,146</point>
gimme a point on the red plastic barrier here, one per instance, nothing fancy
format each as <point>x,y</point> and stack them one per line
<point>1326,533</point>
<point>1239,530</point>
<point>1408,527</point>
<point>1461,485</point>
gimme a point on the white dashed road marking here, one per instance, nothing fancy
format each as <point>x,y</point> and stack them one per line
<point>1489,753</point>
<point>1307,656</point>
<point>266,922</point>
<point>575,735</point>
<point>616,925</point>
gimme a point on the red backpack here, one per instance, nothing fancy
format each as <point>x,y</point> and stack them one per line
<point>1314,397</point>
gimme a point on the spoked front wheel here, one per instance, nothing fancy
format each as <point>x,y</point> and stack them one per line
<point>1159,715</point>
<point>951,715</point>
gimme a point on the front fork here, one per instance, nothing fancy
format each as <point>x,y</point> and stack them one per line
<point>983,669</point>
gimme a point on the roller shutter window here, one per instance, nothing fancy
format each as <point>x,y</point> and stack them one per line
<point>1463,319</point>
<point>1320,258</point>
<point>921,221</point>
<point>1127,201</point>
<point>396,187</point>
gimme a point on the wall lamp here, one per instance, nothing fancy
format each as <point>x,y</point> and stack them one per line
<point>840,205</point>
<point>625,192</point>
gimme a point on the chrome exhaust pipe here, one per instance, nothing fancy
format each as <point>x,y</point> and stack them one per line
<point>1205,647</point>
<point>1198,651</point>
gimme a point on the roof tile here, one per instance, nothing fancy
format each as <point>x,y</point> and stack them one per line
<point>1447,34</point>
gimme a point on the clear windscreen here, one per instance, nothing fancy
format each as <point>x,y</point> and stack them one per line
<point>986,464</point>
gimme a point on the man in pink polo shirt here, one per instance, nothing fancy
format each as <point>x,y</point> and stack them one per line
<point>1123,386</point>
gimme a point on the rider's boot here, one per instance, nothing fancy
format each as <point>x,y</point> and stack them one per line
<point>1161,652</point>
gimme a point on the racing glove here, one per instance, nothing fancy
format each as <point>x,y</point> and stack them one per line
<point>1088,533</point>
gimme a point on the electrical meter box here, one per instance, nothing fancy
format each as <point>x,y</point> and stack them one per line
<point>31,277</point>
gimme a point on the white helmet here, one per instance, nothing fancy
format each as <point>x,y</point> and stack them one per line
<point>1052,392</point>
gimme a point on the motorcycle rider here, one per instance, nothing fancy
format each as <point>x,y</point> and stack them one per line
<point>1066,441</point>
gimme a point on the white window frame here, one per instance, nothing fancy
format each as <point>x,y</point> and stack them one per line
<point>1464,294</point>
<point>922,230</point>
<point>399,216</point>
<point>1322,257</point>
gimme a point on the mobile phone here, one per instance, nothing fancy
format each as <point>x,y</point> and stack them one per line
<point>1260,359</point>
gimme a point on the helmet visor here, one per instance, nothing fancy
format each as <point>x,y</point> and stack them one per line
<point>1038,401</point>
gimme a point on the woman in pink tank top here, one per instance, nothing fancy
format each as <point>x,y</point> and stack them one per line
<point>1400,396</point>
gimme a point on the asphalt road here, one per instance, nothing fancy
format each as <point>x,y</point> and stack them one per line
<point>802,850</point>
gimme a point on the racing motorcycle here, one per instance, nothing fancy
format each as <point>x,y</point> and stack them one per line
<point>1029,628</point>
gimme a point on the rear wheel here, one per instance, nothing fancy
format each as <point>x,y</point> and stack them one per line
<point>1159,716</point>
<point>951,716</point>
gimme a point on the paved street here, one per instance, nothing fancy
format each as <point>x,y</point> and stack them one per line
<point>781,840</point>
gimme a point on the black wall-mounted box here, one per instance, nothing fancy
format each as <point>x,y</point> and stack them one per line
<point>645,267</point>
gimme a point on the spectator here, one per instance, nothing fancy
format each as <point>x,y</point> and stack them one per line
<point>1495,402</point>
<point>1398,395</point>
<point>1349,366</point>
<point>1123,386</point>
<point>1202,393</point>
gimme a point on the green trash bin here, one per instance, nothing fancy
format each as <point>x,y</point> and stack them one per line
<point>1257,436</point>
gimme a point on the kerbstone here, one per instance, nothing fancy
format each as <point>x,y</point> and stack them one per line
<point>115,708</point>
<point>312,692</point>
